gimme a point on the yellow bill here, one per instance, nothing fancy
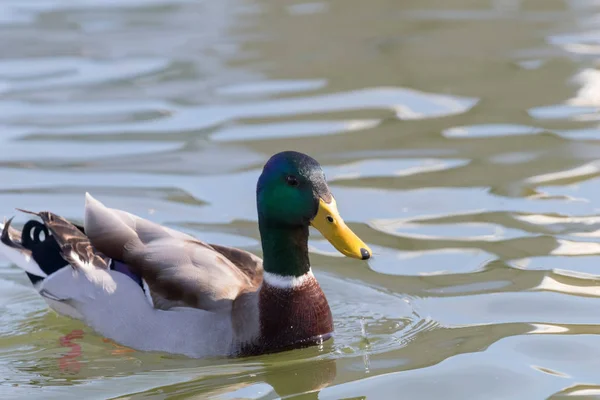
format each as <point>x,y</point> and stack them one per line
<point>331,225</point>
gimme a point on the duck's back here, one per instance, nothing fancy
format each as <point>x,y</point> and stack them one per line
<point>178,269</point>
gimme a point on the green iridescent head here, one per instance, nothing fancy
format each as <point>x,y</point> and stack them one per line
<point>292,192</point>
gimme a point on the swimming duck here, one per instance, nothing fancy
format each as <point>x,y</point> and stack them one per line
<point>152,288</point>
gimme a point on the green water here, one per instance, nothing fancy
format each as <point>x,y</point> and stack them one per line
<point>460,139</point>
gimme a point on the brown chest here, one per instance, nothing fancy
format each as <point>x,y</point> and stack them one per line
<point>292,318</point>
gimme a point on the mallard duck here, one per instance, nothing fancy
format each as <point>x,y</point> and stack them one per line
<point>152,288</point>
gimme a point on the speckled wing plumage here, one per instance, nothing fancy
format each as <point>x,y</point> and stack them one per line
<point>178,269</point>
<point>75,246</point>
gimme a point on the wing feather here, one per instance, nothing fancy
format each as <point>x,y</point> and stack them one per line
<point>177,268</point>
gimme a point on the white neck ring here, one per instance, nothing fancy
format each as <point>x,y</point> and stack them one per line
<point>287,282</point>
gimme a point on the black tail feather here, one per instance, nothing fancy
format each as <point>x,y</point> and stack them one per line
<point>69,240</point>
<point>44,249</point>
<point>56,243</point>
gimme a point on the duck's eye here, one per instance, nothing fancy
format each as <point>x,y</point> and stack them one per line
<point>292,180</point>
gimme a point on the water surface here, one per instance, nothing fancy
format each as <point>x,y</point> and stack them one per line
<point>460,138</point>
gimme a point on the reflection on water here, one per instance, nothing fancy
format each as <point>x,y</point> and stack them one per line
<point>460,140</point>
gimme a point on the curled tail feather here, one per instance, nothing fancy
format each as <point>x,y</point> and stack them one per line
<point>74,245</point>
<point>18,248</point>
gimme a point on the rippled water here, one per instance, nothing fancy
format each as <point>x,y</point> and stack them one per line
<point>461,141</point>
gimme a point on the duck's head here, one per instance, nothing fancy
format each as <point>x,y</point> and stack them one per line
<point>292,192</point>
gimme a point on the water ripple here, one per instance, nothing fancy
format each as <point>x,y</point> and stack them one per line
<point>477,131</point>
<point>49,73</point>
<point>461,145</point>
<point>404,103</point>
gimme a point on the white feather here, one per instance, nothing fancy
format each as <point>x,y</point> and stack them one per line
<point>22,260</point>
<point>58,288</point>
<point>147,292</point>
<point>287,282</point>
<point>97,276</point>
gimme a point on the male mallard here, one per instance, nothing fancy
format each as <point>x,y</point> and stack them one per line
<point>152,288</point>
